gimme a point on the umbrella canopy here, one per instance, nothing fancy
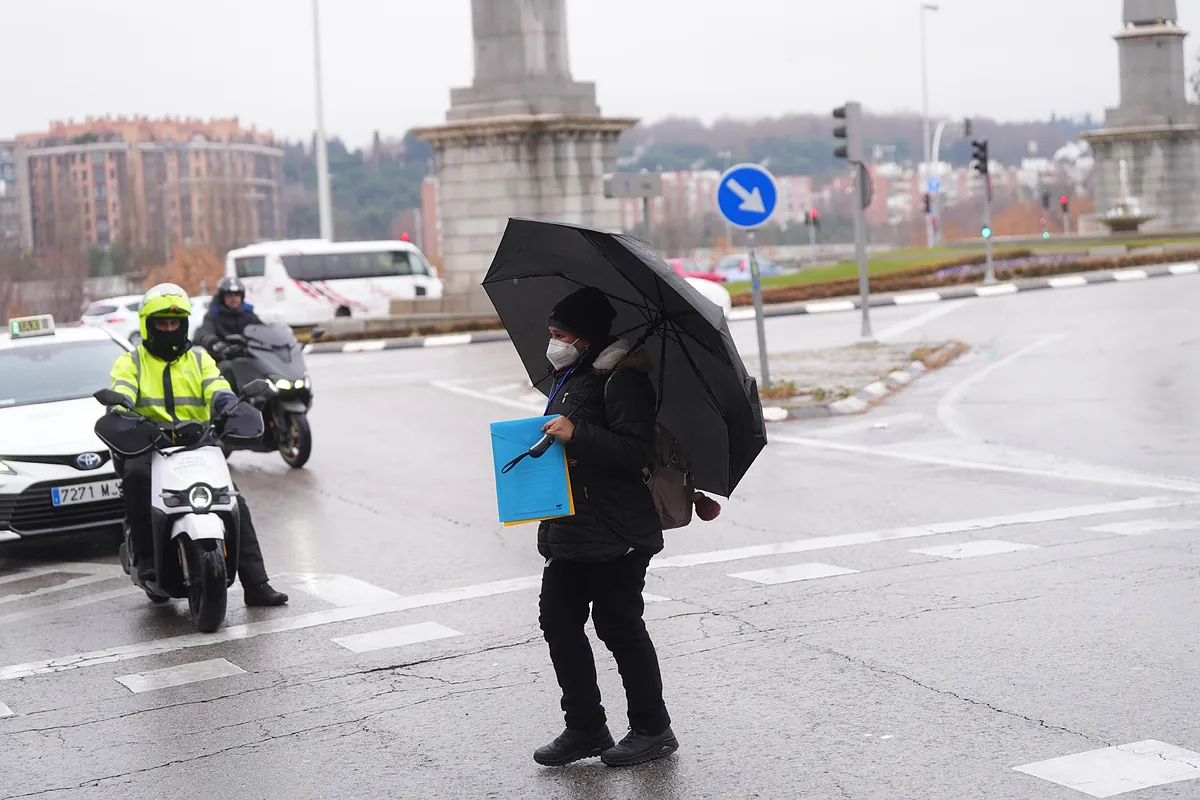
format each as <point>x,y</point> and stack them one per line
<point>706,397</point>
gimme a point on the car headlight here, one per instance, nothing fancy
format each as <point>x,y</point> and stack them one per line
<point>5,469</point>
<point>200,498</point>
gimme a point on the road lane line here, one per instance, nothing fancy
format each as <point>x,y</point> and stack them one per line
<point>489,398</point>
<point>1141,527</point>
<point>65,605</point>
<point>338,590</point>
<point>914,532</point>
<point>986,547</point>
<point>74,583</point>
<point>1117,770</point>
<point>866,425</point>
<point>5,711</point>
<point>944,308</point>
<point>179,675</point>
<point>491,589</point>
<point>396,637</point>
<point>792,573</point>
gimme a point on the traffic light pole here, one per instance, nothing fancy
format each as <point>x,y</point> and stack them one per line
<point>989,275</point>
<point>860,250</point>
<point>812,240</point>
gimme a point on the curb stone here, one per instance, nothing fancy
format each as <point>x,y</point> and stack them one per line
<point>873,393</point>
<point>1068,281</point>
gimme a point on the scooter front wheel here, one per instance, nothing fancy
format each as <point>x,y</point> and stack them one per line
<point>296,444</point>
<point>204,564</point>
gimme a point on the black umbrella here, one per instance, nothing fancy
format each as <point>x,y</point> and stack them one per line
<point>706,397</point>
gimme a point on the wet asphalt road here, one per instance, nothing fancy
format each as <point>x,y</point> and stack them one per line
<point>993,569</point>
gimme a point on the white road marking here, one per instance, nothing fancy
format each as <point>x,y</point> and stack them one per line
<point>943,308</point>
<point>179,675</point>
<point>1117,770</point>
<point>489,398</point>
<point>1142,527</point>
<point>912,298</point>
<point>946,408</point>
<point>25,575</point>
<point>829,306</point>
<point>508,387</point>
<point>997,290</point>
<point>338,590</point>
<point>741,315</point>
<point>868,424</point>
<point>793,573</point>
<point>74,583</point>
<point>915,532</point>
<point>407,603</point>
<point>71,567</point>
<point>5,711</point>
<point>1130,275</point>
<point>1101,476</point>
<point>396,637</point>
<point>1068,281</point>
<point>66,605</point>
<point>986,547</point>
<point>1184,269</point>
<point>449,340</point>
<point>654,598</point>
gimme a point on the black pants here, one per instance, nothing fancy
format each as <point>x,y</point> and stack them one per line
<point>135,486</point>
<point>614,590</point>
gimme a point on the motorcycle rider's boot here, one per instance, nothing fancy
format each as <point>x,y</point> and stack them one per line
<point>144,567</point>
<point>264,595</point>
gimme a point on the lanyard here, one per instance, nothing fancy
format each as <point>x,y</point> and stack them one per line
<point>557,387</point>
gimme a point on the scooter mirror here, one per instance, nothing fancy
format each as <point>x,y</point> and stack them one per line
<point>110,397</point>
<point>260,388</point>
<point>317,334</point>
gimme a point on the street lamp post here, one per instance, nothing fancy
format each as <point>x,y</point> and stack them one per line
<point>322,153</point>
<point>925,116</point>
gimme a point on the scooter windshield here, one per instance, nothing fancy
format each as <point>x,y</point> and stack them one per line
<point>272,336</point>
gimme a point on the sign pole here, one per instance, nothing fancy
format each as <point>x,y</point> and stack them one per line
<point>747,195</point>
<point>812,239</point>
<point>989,275</point>
<point>860,250</point>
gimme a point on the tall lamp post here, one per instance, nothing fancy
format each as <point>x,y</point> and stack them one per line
<point>323,201</point>
<point>925,118</point>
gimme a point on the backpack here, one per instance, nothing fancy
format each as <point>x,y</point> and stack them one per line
<point>669,478</point>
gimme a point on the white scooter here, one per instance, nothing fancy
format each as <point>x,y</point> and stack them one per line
<point>193,503</point>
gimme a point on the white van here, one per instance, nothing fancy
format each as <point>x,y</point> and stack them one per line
<point>310,281</point>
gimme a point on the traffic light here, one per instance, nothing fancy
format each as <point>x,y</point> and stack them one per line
<point>851,131</point>
<point>979,154</point>
<point>1062,201</point>
<point>813,219</point>
<point>1046,200</point>
<point>987,232</point>
<point>928,203</point>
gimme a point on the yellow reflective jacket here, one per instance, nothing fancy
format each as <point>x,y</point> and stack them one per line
<point>181,390</point>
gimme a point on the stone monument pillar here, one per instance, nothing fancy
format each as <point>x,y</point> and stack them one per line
<point>1154,130</point>
<point>524,140</point>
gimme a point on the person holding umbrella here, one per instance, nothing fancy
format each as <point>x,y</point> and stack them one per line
<point>598,557</point>
<point>577,298</point>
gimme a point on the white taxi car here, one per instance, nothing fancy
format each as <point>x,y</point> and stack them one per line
<point>55,475</point>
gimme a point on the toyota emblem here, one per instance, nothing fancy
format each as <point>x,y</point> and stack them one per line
<point>88,461</point>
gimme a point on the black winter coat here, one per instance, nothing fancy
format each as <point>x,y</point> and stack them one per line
<point>221,322</point>
<point>613,442</point>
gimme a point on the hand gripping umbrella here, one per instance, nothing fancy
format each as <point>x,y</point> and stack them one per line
<point>706,397</point>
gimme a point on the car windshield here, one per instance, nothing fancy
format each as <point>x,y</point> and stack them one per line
<point>100,309</point>
<point>340,266</point>
<point>46,373</point>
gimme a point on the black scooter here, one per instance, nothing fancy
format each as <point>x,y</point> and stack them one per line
<point>272,352</point>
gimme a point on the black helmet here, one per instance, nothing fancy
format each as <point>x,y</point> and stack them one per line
<point>230,284</point>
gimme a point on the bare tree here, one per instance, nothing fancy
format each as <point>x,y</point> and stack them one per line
<point>62,263</point>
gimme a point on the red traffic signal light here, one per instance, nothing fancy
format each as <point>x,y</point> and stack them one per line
<point>813,213</point>
<point>1063,200</point>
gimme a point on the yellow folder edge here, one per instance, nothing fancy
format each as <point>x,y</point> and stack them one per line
<point>570,499</point>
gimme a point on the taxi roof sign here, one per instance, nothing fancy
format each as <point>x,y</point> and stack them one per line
<point>23,327</point>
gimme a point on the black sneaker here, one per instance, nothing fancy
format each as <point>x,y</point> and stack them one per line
<point>639,746</point>
<point>264,595</point>
<point>573,745</point>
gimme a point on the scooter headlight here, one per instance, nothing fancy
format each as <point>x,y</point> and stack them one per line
<point>300,383</point>
<point>200,498</point>
<point>283,384</point>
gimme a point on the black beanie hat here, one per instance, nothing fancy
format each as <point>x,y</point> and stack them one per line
<point>585,313</point>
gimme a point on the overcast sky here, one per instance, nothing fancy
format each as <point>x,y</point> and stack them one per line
<point>389,64</point>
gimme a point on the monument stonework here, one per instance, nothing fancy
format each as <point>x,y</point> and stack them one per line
<point>1154,129</point>
<point>524,140</point>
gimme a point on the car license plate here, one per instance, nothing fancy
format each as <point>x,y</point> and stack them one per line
<point>85,493</point>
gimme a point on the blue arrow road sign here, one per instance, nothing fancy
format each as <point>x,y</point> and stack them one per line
<point>935,184</point>
<point>747,195</point>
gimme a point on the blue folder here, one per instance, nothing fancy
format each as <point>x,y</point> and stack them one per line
<point>535,489</point>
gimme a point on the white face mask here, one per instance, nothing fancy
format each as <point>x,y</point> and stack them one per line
<point>561,354</point>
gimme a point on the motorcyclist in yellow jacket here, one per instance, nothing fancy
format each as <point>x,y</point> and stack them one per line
<point>167,380</point>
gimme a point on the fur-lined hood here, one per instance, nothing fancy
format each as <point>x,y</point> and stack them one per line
<point>620,355</point>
